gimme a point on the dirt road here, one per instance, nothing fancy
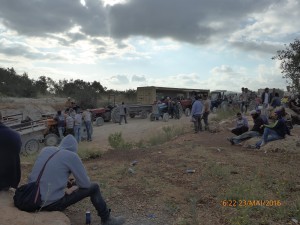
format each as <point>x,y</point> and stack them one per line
<point>135,130</point>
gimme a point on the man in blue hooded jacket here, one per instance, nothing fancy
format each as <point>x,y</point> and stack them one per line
<point>55,178</point>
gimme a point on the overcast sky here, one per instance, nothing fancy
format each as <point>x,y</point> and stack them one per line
<point>211,44</point>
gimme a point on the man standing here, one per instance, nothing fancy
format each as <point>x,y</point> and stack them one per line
<point>55,179</point>
<point>10,147</point>
<point>77,126</point>
<point>87,118</point>
<point>207,105</point>
<point>196,114</point>
<point>265,98</point>
<point>123,113</point>
<point>69,124</point>
<point>60,119</point>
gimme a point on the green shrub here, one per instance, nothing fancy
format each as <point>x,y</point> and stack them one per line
<point>116,141</point>
<point>86,153</point>
<point>224,114</point>
<point>168,132</point>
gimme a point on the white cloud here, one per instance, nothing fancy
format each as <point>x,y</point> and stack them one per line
<point>137,78</point>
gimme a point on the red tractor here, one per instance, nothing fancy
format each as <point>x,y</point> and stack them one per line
<point>101,115</point>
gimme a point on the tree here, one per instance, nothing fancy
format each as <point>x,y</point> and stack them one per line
<point>41,85</point>
<point>290,63</point>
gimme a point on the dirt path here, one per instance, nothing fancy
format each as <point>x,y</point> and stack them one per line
<point>135,130</point>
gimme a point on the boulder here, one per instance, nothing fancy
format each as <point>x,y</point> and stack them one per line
<point>288,144</point>
<point>13,216</point>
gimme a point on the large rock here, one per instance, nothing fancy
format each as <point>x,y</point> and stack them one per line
<point>10,215</point>
<point>288,144</point>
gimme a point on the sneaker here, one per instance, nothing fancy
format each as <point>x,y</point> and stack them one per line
<point>230,140</point>
<point>114,221</point>
<point>252,146</point>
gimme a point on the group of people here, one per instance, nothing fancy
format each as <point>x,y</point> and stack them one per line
<point>272,108</point>
<point>57,191</point>
<point>70,121</point>
<point>200,111</point>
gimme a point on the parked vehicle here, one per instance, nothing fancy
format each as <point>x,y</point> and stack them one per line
<point>31,131</point>
<point>101,115</point>
<point>133,111</point>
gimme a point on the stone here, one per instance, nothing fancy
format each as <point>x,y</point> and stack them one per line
<point>13,216</point>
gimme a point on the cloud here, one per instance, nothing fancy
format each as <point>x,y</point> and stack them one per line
<point>137,78</point>
<point>22,50</point>
<point>196,22</point>
<point>118,80</point>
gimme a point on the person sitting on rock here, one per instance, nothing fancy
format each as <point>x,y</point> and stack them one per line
<point>10,147</point>
<point>241,125</point>
<point>53,184</point>
<point>256,131</point>
<point>275,131</point>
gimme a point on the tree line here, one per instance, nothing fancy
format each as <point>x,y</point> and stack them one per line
<point>85,93</point>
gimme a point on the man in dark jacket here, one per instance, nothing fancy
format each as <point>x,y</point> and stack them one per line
<point>273,132</point>
<point>257,129</point>
<point>10,147</point>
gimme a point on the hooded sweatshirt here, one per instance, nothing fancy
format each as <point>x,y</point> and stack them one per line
<point>58,169</point>
<point>10,146</point>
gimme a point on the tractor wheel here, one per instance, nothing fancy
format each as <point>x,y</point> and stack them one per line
<point>32,146</point>
<point>144,114</point>
<point>132,115</point>
<point>51,140</point>
<point>166,117</point>
<point>187,112</point>
<point>115,115</point>
<point>99,121</point>
<point>152,117</point>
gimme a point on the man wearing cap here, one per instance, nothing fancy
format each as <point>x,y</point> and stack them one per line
<point>257,130</point>
<point>276,131</point>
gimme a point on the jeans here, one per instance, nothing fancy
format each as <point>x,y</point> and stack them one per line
<point>88,126</point>
<point>268,135</point>
<point>61,131</point>
<point>77,132</point>
<point>197,122</point>
<point>205,119</point>
<point>93,192</point>
<point>121,119</point>
<point>245,136</point>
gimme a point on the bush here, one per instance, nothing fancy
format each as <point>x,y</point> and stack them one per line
<point>86,154</point>
<point>116,141</point>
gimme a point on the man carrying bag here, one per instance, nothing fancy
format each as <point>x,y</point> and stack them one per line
<point>53,183</point>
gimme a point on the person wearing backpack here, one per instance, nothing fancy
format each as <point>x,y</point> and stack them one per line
<point>57,192</point>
